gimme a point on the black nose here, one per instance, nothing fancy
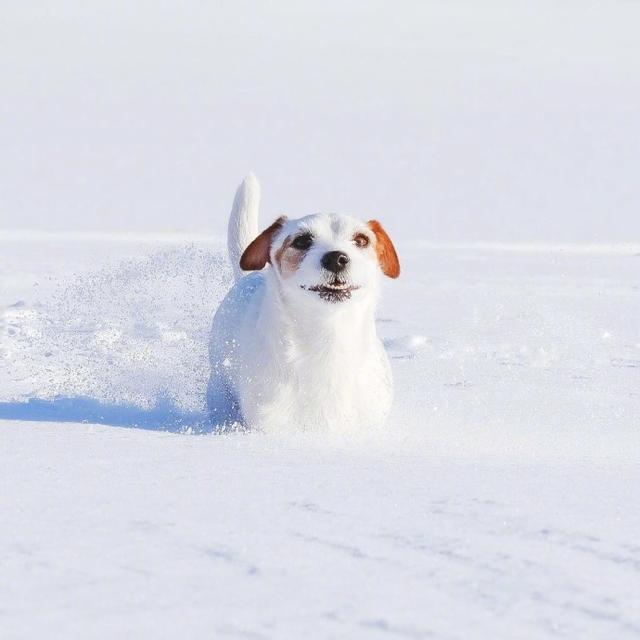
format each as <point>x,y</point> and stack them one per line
<point>335,261</point>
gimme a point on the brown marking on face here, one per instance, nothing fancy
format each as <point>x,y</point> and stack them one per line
<point>288,258</point>
<point>387,256</point>
<point>256,255</point>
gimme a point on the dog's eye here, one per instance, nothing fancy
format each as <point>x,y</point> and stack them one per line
<point>361,240</point>
<point>302,242</point>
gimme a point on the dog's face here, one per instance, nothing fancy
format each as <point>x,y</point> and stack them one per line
<point>324,258</point>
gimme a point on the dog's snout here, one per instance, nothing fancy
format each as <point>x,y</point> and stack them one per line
<point>335,261</point>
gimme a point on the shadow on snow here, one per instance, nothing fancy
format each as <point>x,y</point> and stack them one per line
<point>163,417</point>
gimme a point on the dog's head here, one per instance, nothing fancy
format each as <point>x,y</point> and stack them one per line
<point>324,257</point>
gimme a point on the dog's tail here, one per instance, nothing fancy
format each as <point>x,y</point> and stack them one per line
<point>243,222</point>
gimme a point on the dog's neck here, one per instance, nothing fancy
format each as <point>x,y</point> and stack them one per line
<point>343,327</point>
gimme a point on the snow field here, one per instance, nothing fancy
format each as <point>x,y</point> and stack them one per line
<point>502,501</point>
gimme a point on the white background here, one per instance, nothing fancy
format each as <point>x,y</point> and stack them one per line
<point>453,120</point>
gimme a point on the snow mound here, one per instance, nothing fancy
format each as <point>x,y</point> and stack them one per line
<point>130,334</point>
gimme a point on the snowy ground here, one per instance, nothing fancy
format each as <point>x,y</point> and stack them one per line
<point>502,503</point>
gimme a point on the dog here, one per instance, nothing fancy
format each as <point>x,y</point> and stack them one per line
<point>294,345</point>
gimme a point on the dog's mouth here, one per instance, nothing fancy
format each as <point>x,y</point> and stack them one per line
<point>335,291</point>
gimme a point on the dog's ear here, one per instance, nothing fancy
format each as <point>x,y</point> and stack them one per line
<point>387,256</point>
<point>256,255</point>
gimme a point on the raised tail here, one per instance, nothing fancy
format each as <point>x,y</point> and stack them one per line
<point>243,222</point>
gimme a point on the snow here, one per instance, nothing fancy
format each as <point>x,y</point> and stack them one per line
<point>501,503</point>
<point>499,146</point>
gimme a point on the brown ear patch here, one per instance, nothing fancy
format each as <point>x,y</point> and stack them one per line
<point>387,256</point>
<point>256,255</point>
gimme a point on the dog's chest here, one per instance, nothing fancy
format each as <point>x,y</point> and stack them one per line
<point>334,387</point>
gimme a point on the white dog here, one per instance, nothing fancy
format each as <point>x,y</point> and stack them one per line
<point>294,346</point>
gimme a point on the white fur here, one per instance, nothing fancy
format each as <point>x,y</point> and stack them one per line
<point>243,221</point>
<point>281,357</point>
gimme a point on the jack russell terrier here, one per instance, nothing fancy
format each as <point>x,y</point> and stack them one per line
<point>294,346</point>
